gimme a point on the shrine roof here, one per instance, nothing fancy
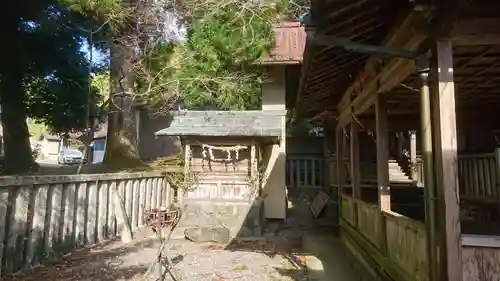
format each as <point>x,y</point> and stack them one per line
<point>250,123</point>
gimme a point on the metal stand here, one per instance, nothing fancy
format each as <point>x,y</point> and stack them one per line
<point>159,219</point>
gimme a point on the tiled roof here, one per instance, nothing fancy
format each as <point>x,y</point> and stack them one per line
<point>225,123</point>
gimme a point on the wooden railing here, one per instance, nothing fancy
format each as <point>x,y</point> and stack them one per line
<point>369,222</point>
<point>477,174</point>
<point>46,216</point>
<point>305,171</point>
<point>347,209</point>
<point>396,242</point>
<point>399,244</point>
<point>407,245</point>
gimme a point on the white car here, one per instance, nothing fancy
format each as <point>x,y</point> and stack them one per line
<point>70,156</point>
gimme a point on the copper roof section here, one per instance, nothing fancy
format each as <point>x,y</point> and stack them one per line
<point>290,43</point>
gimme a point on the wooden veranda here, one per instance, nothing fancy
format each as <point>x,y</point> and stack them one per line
<point>427,74</point>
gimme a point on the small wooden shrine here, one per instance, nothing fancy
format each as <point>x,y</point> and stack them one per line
<point>228,150</point>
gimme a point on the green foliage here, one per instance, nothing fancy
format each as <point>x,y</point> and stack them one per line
<point>35,128</point>
<point>56,70</point>
<point>96,10</point>
<point>44,73</point>
<point>102,86</point>
<point>53,66</point>
<point>93,7</point>
<point>216,66</point>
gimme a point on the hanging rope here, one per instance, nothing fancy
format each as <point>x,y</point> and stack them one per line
<point>207,151</point>
<point>368,132</point>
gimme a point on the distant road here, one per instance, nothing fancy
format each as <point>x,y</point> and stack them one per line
<point>48,166</point>
<point>51,167</point>
<point>47,162</point>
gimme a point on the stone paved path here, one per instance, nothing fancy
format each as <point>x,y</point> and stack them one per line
<point>326,260</point>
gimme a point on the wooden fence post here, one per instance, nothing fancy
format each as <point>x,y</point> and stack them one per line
<point>497,166</point>
<point>121,214</point>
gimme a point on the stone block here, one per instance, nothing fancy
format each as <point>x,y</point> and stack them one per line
<point>242,219</point>
<point>219,235</point>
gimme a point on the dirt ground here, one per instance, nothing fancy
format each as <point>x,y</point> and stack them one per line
<point>279,256</point>
<point>275,258</point>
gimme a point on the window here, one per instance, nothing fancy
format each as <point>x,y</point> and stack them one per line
<point>316,131</point>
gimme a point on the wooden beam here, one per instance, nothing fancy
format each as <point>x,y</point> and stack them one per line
<point>446,166</point>
<point>346,8</point>
<point>474,32</point>
<point>350,45</point>
<point>395,122</point>
<point>384,193</point>
<point>467,119</point>
<point>375,78</point>
<point>308,54</point>
<point>371,64</point>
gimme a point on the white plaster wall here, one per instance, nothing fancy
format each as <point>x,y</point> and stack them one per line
<point>273,92</point>
<point>274,189</point>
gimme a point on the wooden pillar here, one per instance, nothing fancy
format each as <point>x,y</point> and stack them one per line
<point>341,167</point>
<point>400,144</point>
<point>325,175</point>
<point>382,134</point>
<point>428,166</point>
<point>413,154</point>
<point>187,169</point>
<point>254,172</point>
<point>446,164</point>
<point>355,165</point>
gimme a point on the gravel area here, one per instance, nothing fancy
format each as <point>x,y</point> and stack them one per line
<point>227,265</point>
<point>259,260</point>
<point>278,257</point>
<point>273,259</point>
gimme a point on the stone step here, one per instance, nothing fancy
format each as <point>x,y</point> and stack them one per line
<point>395,173</point>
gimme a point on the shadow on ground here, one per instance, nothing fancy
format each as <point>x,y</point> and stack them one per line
<point>109,262</point>
<point>298,249</point>
<point>310,247</point>
<point>288,250</point>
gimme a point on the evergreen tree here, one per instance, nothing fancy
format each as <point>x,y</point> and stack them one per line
<point>43,73</point>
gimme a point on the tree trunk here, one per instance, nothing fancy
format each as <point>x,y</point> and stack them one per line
<point>122,142</point>
<point>17,149</point>
<point>18,157</point>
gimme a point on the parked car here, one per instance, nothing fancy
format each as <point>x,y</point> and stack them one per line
<point>70,156</point>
